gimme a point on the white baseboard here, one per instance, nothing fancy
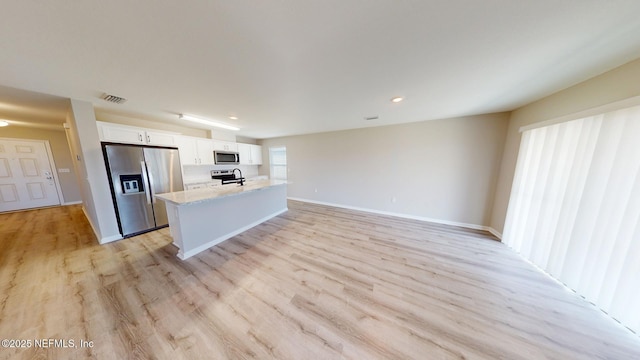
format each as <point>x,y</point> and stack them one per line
<point>404,216</point>
<point>101,240</point>
<point>495,232</point>
<point>72,203</point>
<point>109,239</point>
<point>203,247</point>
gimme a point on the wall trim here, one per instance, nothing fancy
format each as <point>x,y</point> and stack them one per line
<point>101,240</point>
<point>404,216</point>
<point>597,110</point>
<point>495,232</point>
<point>73,203</point>
<point>108,239</point>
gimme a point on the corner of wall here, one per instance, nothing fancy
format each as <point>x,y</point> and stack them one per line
<point>91,170</point>
<point>615,85</point>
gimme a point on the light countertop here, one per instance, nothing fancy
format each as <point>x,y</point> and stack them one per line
<point>208,194</point>
<point>204,182</point>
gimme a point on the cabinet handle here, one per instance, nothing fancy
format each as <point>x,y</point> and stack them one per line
<point>195,160</point>
<point>148,138</point>
<point>140,137</point>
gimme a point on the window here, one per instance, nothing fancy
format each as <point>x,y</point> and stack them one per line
<point>278,163</point>
<point>574,209</point>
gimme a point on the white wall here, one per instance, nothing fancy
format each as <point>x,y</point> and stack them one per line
<point>618,84</point>
<point>444,170</point>
<point>92,173</point>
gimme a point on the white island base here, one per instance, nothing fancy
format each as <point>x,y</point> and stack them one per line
<point>200,219</point>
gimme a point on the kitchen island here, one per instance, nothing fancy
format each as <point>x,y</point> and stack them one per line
<point>202,218</point>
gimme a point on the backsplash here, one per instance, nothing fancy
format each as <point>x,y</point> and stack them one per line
<point>199,173</point>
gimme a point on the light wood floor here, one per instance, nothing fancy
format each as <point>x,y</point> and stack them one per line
<point>314,283</point>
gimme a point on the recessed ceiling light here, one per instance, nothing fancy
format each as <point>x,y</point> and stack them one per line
<point>208,122</point>
<point>3,123</point>
<point>233,117</point>
<point>396,99</point>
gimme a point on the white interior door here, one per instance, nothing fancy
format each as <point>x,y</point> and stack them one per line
<point>26,176</point>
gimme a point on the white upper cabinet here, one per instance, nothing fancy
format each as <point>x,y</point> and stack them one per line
<point>256,154</point>
<point>250,154</point>
<point>195,151</point>
<point>245,153</point>
<point>225,145</point>
<point>187,150</point>
<point>109,132</point>
<point>160,138</point>
<point>205,151</point>
<point>133,135</point>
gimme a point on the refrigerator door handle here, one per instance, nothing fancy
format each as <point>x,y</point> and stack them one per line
<point>152,186</point>
<point>145,175</point>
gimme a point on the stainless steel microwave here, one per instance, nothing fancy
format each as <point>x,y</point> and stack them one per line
<point>226,157</point>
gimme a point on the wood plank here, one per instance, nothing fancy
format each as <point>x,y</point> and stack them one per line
<point>316,282</point>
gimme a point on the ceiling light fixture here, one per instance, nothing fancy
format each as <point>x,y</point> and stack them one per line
<point>233,117</point>
<point>4,123</point>
<point>208,122</point>
<point>396,99</point>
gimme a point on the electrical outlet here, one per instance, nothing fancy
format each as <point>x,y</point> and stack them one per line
<point>316,190</point>
<point>393,199</point>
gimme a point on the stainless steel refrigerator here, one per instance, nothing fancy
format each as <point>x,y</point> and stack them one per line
<point>136,174</point>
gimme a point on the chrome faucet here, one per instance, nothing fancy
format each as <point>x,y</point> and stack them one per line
<point>241,178</point>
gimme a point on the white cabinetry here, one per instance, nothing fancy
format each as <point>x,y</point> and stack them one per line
<point>133,135</point>
<point>187,150</point>
<point>225,145</point>
<point>160,138</point>
<point>205,151</point>
<point>256,154</point>
<point>195,151</point>
<point>250,154</point>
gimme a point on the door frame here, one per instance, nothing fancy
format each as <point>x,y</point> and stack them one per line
<point>54,168</point>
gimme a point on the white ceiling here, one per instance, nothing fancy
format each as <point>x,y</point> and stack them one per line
<point>299,66</point>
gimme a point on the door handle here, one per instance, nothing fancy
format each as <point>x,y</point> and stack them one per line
<point>147,180</point>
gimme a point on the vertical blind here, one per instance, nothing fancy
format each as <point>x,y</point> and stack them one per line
<point>574,209</point>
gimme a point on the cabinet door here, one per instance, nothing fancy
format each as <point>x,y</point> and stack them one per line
<point>122,134</point>
<point>245,154</point>
<point>205,151</point>
<point>225,145</point>
<point>256,154</point>
<point>187,149</point>
<point>159,138</point>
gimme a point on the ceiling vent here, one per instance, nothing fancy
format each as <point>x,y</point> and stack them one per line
<point>113,98</point>
<point>369,118</point>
